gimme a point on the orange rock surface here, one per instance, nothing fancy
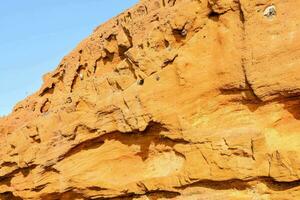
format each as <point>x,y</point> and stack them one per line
<point>172,99</point>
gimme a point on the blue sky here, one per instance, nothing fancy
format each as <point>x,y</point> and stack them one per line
<point>36,34</point>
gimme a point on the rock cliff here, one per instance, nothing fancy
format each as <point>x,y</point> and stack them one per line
<point>172,99</point>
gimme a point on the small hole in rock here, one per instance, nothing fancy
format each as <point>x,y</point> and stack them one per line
<point>141,46</point>
<point>141,82</point>
<point>167,44</point>
<point>214,16</point>
<point>180,33</point>
<point>69,100</point>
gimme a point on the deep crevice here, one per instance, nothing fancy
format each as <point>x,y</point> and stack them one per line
<point>142,138</point>
<point>251,95</point>
<point>248,86</point>
<point>6,179</point>
<point>48,90</point>
<point>239,184</point>
<point>123,49</point>
<point>214,16</point>
<point>169,61</point>
<point>70,194</point>
<point>109,57</point>
<point>9,196</point>
<point>155,194</point>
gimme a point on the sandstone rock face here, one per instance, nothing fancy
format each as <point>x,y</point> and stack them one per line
<point>172,99</point>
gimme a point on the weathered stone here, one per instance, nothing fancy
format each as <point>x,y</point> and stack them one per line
<point>170,100</point>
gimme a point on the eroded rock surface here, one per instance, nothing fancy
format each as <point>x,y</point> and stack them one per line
<point>172,99</point>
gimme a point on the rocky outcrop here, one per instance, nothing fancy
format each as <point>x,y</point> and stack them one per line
<point>172,99</point>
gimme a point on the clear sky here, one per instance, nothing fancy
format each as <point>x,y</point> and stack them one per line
<point>36,34</point>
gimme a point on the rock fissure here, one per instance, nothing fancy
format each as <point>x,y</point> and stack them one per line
<point>169,100</point>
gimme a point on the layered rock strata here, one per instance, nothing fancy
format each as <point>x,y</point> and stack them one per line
<point>172,99</point>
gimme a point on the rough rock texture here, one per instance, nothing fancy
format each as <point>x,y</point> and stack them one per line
<point>173,99</point>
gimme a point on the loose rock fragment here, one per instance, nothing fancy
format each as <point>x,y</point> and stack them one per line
<point>270,11</point>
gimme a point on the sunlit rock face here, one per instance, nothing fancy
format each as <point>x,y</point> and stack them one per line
<point>183,100</point>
